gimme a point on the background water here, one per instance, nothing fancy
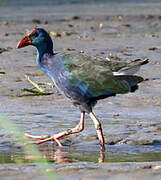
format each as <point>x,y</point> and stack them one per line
<point>7,3</point>
<point>22,10</point>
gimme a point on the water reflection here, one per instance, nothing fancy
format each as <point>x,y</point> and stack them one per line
<point>102,157</point>
<point>84,153</point>
<point>60,156</point>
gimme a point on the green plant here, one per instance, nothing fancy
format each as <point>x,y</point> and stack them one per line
<point>18,135</point>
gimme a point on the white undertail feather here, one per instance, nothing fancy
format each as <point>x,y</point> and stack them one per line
<point>129,71</point>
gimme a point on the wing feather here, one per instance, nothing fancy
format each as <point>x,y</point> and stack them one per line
<point>92,76</point>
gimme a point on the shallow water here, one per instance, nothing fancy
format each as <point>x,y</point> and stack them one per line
<point>116,153</point>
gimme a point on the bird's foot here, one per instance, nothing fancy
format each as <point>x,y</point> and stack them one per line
<point>43,139</point>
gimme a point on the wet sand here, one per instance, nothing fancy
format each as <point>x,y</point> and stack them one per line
<point>131,122</point>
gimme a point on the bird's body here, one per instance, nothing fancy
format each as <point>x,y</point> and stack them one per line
<point>82,78</point>
<point>85,79</point>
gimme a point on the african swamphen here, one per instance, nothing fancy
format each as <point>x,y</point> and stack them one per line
<point>81,78</point>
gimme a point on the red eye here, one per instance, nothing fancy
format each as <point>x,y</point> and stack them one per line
<point>34,35</point>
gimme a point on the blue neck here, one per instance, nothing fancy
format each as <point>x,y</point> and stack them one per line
<point>41,50</point>
<point>44,49</point>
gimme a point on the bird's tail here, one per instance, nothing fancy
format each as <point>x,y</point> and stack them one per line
<point>132,81</point>
<point>132,67</point>
<point>140,61</point>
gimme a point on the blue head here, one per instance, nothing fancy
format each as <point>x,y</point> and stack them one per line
<point>38,38</point>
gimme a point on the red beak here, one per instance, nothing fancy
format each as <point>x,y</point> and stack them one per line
<point>25,41</point>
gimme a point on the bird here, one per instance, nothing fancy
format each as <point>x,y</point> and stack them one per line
<point>83,79</point>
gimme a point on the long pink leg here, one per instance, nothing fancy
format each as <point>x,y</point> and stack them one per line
<point>59,135</point>
<point>98,127</point>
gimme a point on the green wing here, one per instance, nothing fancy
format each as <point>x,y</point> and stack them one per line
<point>92,75</point>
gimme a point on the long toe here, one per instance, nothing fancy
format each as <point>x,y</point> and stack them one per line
<point>36,137</point>
<point>42,141</point>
